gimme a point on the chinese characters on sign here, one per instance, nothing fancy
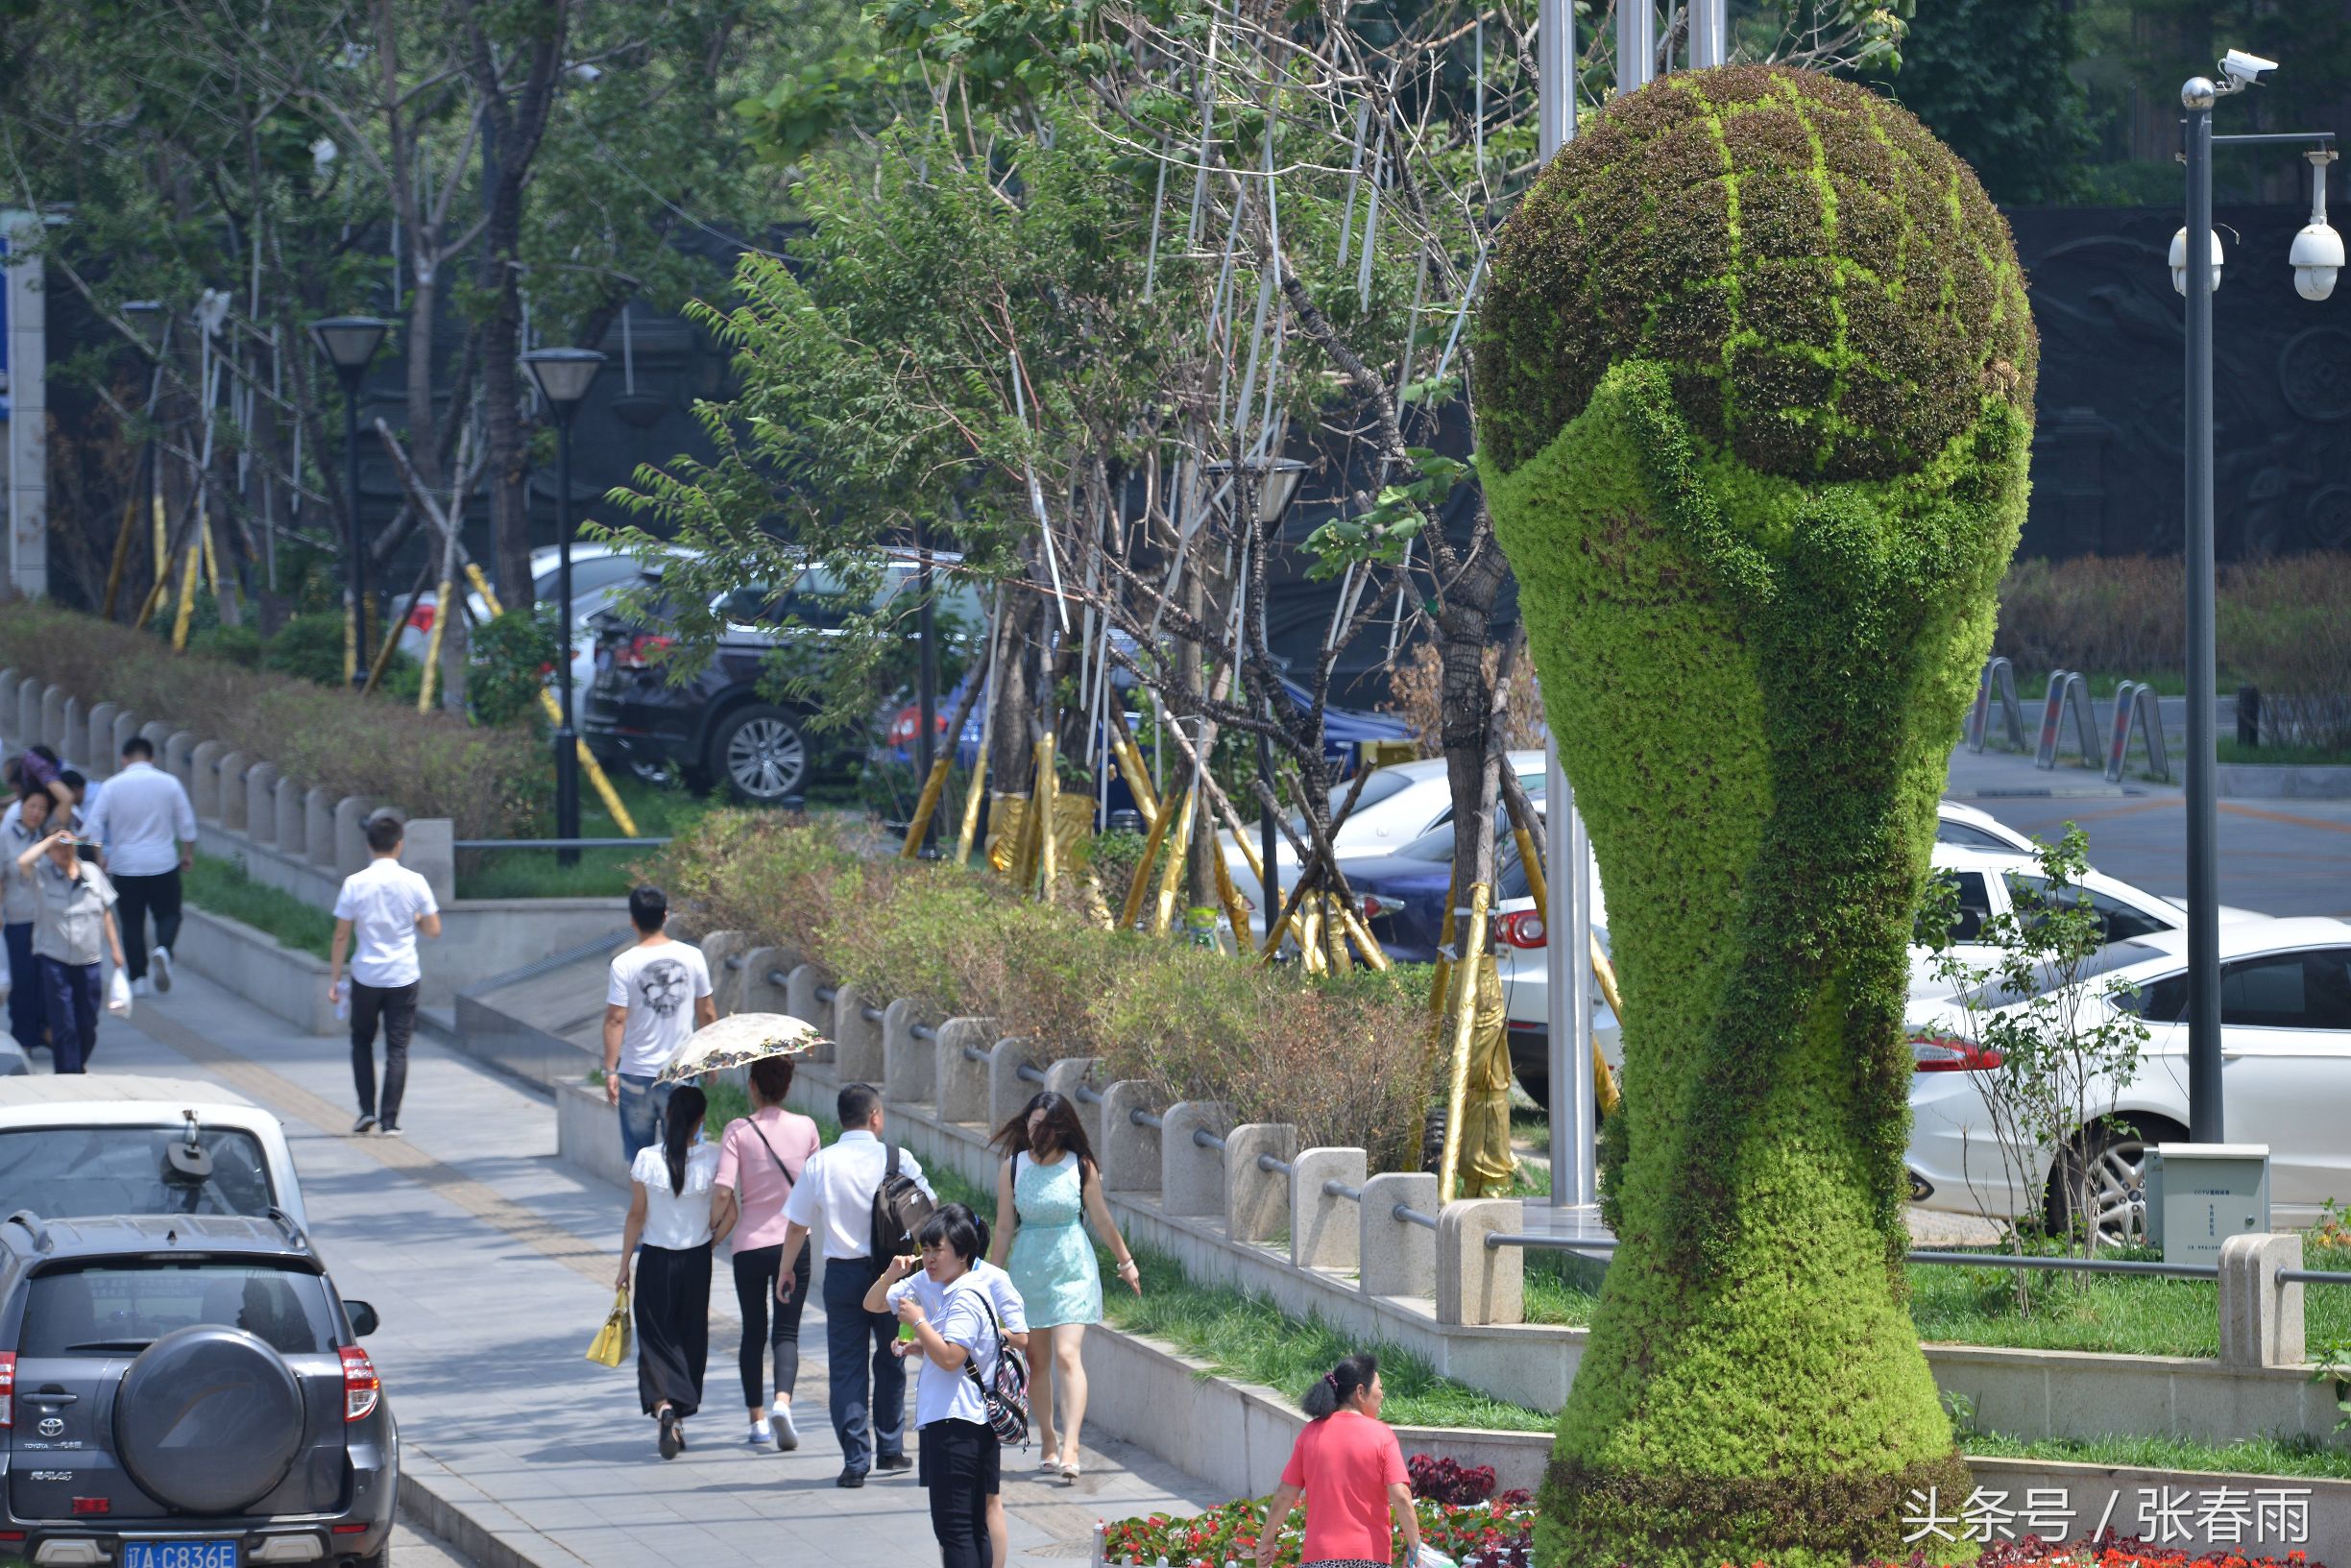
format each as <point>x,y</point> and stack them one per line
<point>2164,1515</point>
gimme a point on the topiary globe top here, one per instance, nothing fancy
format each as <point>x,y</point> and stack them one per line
<point>1827,285</point>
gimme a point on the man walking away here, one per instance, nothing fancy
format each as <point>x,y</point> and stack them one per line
<point>836,1192</point>
<point>146,831</point>
<point>385,907</point>
<point>647,1017</point>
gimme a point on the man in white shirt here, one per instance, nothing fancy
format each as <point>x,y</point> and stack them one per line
<point>836,1192</point>
<point>385,907</point>
<point>647,1017</point>
<point>146,832</point>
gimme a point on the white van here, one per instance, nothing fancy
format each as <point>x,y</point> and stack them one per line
<point>85,1144</point>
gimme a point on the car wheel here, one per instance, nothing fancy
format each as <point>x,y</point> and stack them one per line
<point>2114,1157</point>
<point>761,754</point>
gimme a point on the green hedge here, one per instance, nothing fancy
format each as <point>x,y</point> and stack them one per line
<point>490,783</point>
<point>1346,1060</point>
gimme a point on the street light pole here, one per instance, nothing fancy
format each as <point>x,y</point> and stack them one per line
<point>563,376</point>
<point>2205,1117</point>
<point>350,343</point>
<point>927,681</point>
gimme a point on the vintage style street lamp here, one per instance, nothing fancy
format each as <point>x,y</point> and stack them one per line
<point>350,343</point>
<point>564,375</point>
<point>1270,485</point>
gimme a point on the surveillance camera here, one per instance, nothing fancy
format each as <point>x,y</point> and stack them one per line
<point>2179,260</point>
<point>2318,256</point>
<point>2244,69</point>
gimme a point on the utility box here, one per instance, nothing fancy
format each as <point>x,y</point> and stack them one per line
<point>2201,1194</point>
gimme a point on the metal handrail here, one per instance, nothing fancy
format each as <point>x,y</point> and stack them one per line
<point>2312,1276</point>
<point>826,993</point>
<point>1029,1071</point>
<point>974,1054</point>
<point>734,961</point>
<point>1141,1118</point>
<point>1958,1260</point>
<point>1411,1215</point>
<point>1276,1164</point>
<point>1565,1244</point>
<point>1088,1095</point>
<point>779,980</point>
<point>556,843</point>
<point>1203,1138</point>
<point>869,1013</point>
<point>922,1031</point>
<point>1334,1187</point>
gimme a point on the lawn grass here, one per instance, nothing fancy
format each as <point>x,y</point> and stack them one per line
<point>2285,755</point>
<point>602,873</point>
<point>2255,1456</point>
<point>222,888</point>
<point>2032,686</point>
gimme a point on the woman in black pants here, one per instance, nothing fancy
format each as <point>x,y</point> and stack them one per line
<point>759,1159</point>
<point>670,1211</point>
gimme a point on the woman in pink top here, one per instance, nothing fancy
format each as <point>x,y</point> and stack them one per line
<point>758,1162</point>
<point>1349,1468</point>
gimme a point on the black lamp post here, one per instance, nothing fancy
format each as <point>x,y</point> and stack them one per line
<point>564,375</point>
<point>147,319</point>
<point>350,343</point>
<point>1271,485</point>
<point>927,683</point>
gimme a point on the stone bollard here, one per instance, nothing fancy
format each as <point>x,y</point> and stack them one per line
<point>349,834</point>
<point>262,803</point>
<point>172,756</point>
<point>1065,1077</point>
<point>909,1066</point>
<point>963,1083</point>
<point>1007,1090</point>
<point>726,983</point>
<point>104,760</point>
<point>204,770</point>
<point>1129,1151</point>
<point>758,993</point>
<point>857,1039</point>
<point>74,739</point>
<point>1477,1284</point>
<point>1396,1257</point>
<point>28,731</point>
<point>2261,1317</point>
<point>1191,1172</point>
<point>1324,1231</point>
<point>233,791</point>
<point>125,725</point>
<point>293,822</point>
<point>158,733</point>
<point>428,848</point>
<point>1257,1200</point>
<point>11,679</point>
<point>53,720</point>
<point>801,1001</point>
<point>317,827</point>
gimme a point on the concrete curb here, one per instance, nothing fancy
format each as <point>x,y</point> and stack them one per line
<point>461,1513</point>
<point>275,979</point>
<point>2284,782</point>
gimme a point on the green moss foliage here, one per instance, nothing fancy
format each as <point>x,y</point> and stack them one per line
<point>1755,652</point>
<point>1829,289</point>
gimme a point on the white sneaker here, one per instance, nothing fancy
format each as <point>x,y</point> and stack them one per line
<point>141,987</point>
<point>780,1425</point>
<point>159,967</point>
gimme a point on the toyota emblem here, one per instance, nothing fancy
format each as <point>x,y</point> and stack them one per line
<point>52,1426</point>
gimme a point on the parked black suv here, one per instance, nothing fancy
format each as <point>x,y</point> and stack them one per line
<point>186,1392</point>
<point>716,729</point>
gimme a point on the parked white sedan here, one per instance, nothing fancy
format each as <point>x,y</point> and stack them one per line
<point>2286,1077</point>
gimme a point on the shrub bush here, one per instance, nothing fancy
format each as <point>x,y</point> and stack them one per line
<point>2103,614</point>
<point>2285,625</point>
<point>490,782</point>
<point>1347,1061</point>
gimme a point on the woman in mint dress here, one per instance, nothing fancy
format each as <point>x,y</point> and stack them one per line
<point>1047,1188</point>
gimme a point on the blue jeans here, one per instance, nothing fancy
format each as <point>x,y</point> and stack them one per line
<point>850,1332</point>
<point>642,1105</point>
<point>27,1015</point>
<point>72,995</point>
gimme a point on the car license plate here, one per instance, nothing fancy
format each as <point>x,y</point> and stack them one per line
<point>179,1554</point>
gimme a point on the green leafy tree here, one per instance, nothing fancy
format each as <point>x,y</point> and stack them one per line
<point>1960,73</point>
<point>1759,481</point>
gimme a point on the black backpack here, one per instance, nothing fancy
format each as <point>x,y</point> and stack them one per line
<point>899,1209</point>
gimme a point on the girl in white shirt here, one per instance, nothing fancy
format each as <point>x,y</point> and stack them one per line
<point>670,1213</point>
<point>961,1461</point>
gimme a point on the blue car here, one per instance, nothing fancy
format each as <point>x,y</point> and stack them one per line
<point>1402,895</point>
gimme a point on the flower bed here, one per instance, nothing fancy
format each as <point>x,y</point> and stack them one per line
<point>1501,1534</point>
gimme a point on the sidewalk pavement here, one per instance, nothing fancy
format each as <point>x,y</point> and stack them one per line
<point>492,1265</point>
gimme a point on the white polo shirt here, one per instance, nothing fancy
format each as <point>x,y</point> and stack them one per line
<point>383,904</point>
<point>833,1196</point>
<point>142,816</point>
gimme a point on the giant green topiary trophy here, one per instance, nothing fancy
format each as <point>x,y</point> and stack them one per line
<point>1754,380</point>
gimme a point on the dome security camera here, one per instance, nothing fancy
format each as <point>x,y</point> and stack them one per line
<point>2318,254</point>
<point>2179,260</point>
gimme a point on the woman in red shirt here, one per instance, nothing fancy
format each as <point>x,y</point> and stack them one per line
<point>1349,1469</point>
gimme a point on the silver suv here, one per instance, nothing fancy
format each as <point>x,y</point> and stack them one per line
<point>186,1392</point>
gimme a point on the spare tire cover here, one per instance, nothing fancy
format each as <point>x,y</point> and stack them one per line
<point>208,1419</point>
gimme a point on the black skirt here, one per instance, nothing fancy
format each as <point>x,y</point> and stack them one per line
<point>672,1306</point>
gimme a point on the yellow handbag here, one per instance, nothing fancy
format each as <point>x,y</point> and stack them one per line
<point>611,1345</point>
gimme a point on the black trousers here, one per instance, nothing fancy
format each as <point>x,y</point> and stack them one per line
<point>397,1006</point>
<point>755,1282</point>
<point>673,1304</point>
<point>960,1464</point>
<point>138,896</point>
